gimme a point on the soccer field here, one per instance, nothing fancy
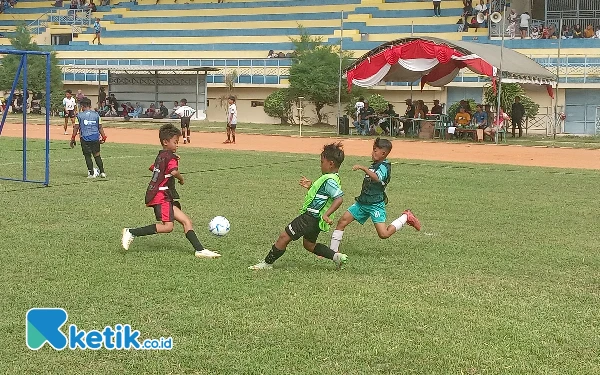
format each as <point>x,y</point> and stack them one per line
<point>504,277</point>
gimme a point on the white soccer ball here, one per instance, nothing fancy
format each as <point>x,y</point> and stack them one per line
<point>96,172</point>
<point>219,226</point>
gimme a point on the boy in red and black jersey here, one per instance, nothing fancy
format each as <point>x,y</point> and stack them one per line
<point>161,194</point>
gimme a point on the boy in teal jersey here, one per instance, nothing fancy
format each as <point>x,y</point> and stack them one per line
<point>372,199</point>
<point>324,196</point>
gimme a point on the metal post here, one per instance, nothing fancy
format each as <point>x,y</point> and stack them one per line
<point>24,62</point>
<point>556,119</point>
<point>300,110</point>
<point>48,92</point>
<point>12,93</point>
<point>340,77</point>
<point>197,92</point>
<point>499,91</point>
<point>155,88</point>
<point>99,87</point>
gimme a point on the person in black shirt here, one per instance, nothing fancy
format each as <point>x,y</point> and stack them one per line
<point>389,115</point>
<point>408,114</point>
<point>517,113</point>
<point>437,108</point>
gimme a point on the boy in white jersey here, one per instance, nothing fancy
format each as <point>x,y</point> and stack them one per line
<point>69,104</point>
<point>185,113</point>
<point>231,120</point>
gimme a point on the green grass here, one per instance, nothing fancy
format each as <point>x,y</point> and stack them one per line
<point>503,279</point>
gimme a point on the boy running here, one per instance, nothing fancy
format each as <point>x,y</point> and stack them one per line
<point>372,199</point>
<point>92,135</point>
<point>324,196</point>
<point>231,120</point>
<point>185,113</point>
<point>97,30</point>
<point>161,193</point>
<point>69,104</point>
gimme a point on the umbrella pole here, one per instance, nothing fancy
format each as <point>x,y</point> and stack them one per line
<point>498,104</point>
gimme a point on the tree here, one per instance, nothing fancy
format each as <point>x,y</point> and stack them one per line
<point>507,98</point>
<point>314,73</point>
<point>278,104</point>
<point>36,68</point>
<point>376,101</point>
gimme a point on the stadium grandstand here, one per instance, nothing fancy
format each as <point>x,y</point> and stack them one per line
<point>237,35</point>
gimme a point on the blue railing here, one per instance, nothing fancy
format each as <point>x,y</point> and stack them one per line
<point>574,69</point>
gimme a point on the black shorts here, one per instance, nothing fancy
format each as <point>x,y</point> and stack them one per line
<point>164,212</point>
<point>232,126</point>
<point>523,28</point>
<point>185,122</point>
<point>70,114</point>
<point>92,147</point>
<point>306,226</point>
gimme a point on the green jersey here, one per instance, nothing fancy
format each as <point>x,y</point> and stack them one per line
<point>374,191</point>
<point>320,195</point>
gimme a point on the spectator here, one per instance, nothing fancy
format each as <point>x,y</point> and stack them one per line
<point>517,113</point>
<point>362,123</point>
<point>175,108</point>
<point>480,117</point>
<point>409,114</point>
<point>462,118</point>
<point>390,114</point>
<point>79,97</point>
<point>163,111</point>
<point>127,109</point>
<point>437,12</point>
<point>464,104</point>
<point>74,4</point>
<point>566,33</point>
<point>424,107</point>
<point>524,24</point>
<point>58,4</point>
<point>102,96</point>
<point>92,6</point>
<point>589,32</point>
<point>437,108</point>
<point>151,111</point>
<point>489,114</point>
<point>113,101</point>
<point>105,2</point>
<point>512,23</point>
<point>598,32</point>
<point>97,29</point>
<point>552,32</point>
<point>419,111</point>
<point>271,54</point>
<point>577,32</point>
<point>281,55</point>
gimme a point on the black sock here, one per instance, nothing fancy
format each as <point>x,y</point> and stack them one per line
<point>233,136</point>
<point>191,236</point>
<point>99,163</point>
<point>273,255</point>
<point>188,132</point>
<point>324,251</point>
<point>143,231</point>
<point>89,163</point>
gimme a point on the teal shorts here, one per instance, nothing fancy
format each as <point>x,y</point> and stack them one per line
<point>361,212</point>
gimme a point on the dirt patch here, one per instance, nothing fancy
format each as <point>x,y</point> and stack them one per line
<point>403,149</point>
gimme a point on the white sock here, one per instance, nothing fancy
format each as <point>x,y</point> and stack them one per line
<point>336,238</point>
<point>399,222</point>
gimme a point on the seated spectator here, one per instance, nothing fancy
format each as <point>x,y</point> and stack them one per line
<point>74,4</point>
<point>535,33</point>
<point>462,118</point>
<point>496,124</point>
<point>127,109</point>
<point>175,108</point>
<point>464,104</point>
<point>419,112</point>
<point>552,32</point>
<point>490,114</point>
<point>577,32</point>
<point>566,32</point>
<point>589,32</point>
<point>58,3</point>
<point>386,121</point>
<point>137,111</point>
<point>271,54</point>
<point>281,55</point>
<point>92,6</point>
<point>480,117</point>
<point>598,32</point>
<point>437,108</point>
<point>163,112</point>
<point>151,111</point>
<point>545,33</point>
<point>105,2</point>
<point>424,107</point>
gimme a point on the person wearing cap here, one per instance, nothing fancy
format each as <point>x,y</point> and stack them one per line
<point>409,114</point>
<point>437,108</point>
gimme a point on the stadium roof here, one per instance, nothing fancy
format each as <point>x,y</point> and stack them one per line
<point>437,62</point>
<point>138,68</point>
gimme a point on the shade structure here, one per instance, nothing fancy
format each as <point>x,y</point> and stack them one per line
<point>437,62</point>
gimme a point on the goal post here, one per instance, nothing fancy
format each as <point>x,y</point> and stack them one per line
<point>23,73</point>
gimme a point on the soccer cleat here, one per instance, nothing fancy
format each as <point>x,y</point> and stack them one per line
<point>184,140</point>
<point>412,220</point>
<point>66,133</point>
<point>189,140</point>
<point>127,238</point>
<point>207,254</point>
<point>261,266</point>
<point>340,259</point>
<point>91,175</point>
<point>103,175</point>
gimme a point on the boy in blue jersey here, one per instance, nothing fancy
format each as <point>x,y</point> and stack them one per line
<point>324,196</point>
<point>91,136</point>
<point>372,199</point>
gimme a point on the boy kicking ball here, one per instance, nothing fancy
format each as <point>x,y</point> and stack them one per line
<point>323,198</point>
<point>161,193</point>
<point>372,199</point>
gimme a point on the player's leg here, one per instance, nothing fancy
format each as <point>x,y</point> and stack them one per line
<point>355,212</point>
<point>95,37</point>
<point>407,217</point>
<point>99,39</point>
<point>228,135</point>
<point>233,126</point>
<point>188,229</point>
<point>95,148</point>
<point>292,232</point>
<point>87,155</point>
<point>310,243</point>
<point>66,115</point>
<point>164,214</point>
<point>188,132</point>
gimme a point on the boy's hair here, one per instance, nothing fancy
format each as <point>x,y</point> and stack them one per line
<point>184,101</point>
<point>69,92</point>
<point>334,152</point>
<point>383,144</point>
<point>86,102</point>
<point>167,132</point>
<point>361,99</point>
<point>232,98</point>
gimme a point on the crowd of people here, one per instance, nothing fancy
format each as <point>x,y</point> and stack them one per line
<point>280,55</point>
<point>5,4</point>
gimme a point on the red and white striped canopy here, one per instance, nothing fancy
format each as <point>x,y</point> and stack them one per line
<point>437,62</point>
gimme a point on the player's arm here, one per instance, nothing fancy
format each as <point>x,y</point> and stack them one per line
<point>175,173</point>
<point>337,202</point>
<point>101,130</point>
<point>333,190</point>
<point>370,173</point>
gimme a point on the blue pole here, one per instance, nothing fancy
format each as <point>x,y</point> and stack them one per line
<point>12,92</point>
<point>24,63</point>
<point>48,70</point>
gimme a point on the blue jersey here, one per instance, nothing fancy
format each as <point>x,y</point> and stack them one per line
<point>89,125</point>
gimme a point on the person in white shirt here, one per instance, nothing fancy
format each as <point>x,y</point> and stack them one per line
<point>524,25</point>
<point>69,104</point>
<point>185,113</point>
<point>231,120</point>
<point>436,8</point>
